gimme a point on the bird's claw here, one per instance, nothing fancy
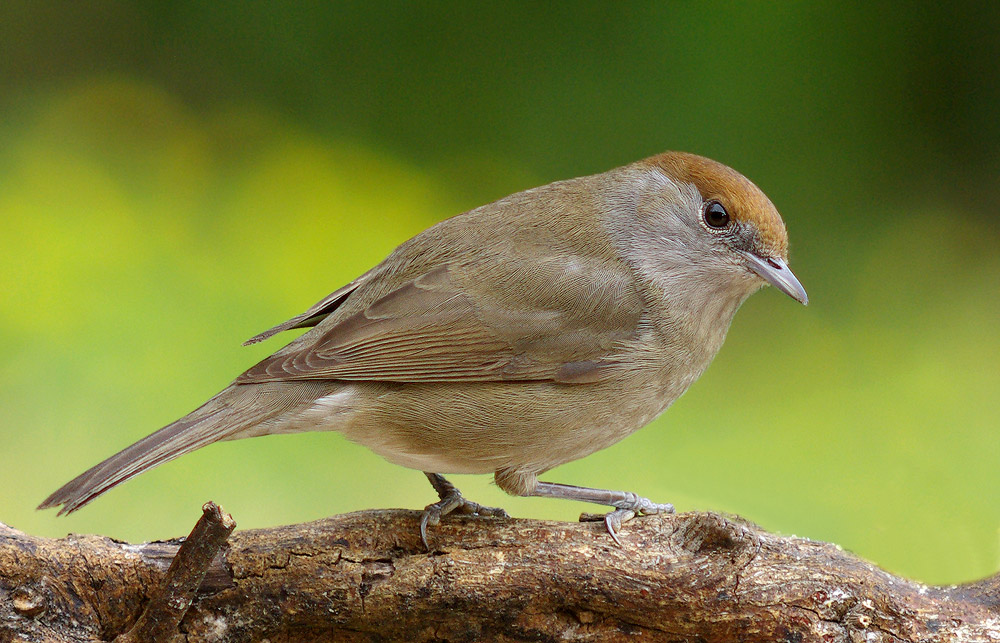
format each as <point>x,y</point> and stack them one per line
<point>613,522</point>
<point>625,511</point>
<point>454,502</point>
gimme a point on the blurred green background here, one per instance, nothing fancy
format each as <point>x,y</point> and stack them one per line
<point>175,177</point>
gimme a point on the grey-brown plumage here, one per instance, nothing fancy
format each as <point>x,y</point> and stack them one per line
<point>512,338</point>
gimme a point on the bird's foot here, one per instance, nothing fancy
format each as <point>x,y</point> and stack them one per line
<point>625,510</point>
<point>452,501</point>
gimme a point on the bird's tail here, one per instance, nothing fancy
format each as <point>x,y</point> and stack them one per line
<point>236,412</point>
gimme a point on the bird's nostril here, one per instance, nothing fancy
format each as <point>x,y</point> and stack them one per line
<point>773,263</point>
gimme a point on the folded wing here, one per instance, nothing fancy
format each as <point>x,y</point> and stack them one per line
<point>559,321</point>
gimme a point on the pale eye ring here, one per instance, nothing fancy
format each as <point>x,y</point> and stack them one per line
<point>715,215</point>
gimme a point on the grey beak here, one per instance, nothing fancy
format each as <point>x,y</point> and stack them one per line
<point>776,273</point>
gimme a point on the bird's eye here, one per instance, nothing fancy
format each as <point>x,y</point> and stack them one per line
<point>716,215</point>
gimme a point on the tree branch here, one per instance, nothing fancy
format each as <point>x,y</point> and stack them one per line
<point>162,616</point>
<point>366,577</point>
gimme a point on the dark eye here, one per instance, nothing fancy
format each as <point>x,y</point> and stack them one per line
<point>716,215</point>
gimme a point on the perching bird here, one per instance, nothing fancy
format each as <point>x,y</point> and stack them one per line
<point>512,338</point>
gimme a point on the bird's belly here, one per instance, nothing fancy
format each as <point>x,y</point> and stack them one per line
<point>484,427</point>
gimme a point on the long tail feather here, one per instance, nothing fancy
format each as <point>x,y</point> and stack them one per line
<point>234,413</point>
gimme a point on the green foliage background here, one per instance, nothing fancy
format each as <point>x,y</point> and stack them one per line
<point>175,177</point>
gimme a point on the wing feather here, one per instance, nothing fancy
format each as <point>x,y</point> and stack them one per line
<point>449,325</point>
<point>317,313</point>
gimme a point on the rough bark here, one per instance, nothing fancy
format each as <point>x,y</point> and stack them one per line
<point>366,577</point>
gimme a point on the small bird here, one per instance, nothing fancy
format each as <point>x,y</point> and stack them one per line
<point>509,339</point>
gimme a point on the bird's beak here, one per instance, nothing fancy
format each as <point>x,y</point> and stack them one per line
<point>776,273</point>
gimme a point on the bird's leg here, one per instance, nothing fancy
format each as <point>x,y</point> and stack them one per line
<point>451,501</point>
<point>627,504</point>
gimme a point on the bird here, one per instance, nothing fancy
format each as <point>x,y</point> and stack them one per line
<point>511,338</point>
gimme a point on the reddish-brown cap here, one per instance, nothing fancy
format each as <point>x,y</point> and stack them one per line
<point>743,200</point>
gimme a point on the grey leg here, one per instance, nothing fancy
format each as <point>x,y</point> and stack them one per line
<point>451,501</point>
<point>627,504</point>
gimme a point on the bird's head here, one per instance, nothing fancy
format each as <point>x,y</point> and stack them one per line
<point>705,227</point>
